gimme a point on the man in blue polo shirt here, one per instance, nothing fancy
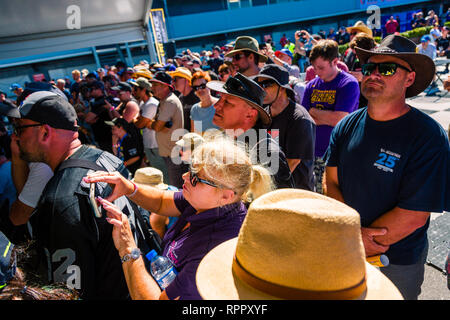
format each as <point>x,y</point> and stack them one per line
<point>390,161</point>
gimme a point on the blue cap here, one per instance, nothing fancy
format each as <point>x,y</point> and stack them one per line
<point>151,255</point>
<point>285,51</point>
<point>425,38</point>
<point>15,86</point>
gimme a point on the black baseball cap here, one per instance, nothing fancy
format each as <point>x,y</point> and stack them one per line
<point>120,122</point>
<point>49,108</point>
<point>7,269</point>
<point>122,86</point>
<point>162,77</point>
<point>278,74</point>
<point>97,85</point>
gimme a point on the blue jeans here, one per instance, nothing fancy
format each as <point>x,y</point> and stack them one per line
<point>408,278</point>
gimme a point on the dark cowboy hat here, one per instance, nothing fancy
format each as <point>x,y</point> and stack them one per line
<point>246,43</point>
<point>163,78</point>
<point>245,88</point>
<point>278,74</point>
<point>403,48</point>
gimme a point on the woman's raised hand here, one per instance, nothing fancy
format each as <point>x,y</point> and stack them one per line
<point>121,186</point>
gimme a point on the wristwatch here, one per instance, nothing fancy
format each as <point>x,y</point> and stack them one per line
<point>135,254</point>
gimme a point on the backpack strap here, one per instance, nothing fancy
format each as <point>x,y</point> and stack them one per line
<point>80,163</point>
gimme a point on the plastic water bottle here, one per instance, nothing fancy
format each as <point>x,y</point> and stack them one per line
<point>161,269</point>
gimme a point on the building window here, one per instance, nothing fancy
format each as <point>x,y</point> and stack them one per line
<point>236,4</point>
<point>260,2</point>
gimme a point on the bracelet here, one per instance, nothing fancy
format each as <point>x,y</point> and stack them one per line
<point>135,189</point>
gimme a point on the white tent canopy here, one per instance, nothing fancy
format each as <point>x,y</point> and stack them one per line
<point>33,27</point>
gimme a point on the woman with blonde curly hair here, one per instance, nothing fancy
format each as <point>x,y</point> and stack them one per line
<point>210,210</point>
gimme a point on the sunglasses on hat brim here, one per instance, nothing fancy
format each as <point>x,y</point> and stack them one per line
<point>384,68</point>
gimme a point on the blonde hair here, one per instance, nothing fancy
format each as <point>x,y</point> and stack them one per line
<point>226,162</point>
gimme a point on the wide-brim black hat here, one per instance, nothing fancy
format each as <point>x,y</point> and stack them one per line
<point>245,88</point>
<point>278,74</point>
<point>405,49</point>
<point>9,109</point>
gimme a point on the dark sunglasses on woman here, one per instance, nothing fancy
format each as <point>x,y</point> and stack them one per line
<point>202,86</point>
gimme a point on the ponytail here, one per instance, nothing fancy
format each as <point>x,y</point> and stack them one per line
<point>261,182</point>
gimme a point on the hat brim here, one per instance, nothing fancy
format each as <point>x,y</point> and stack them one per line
<point>229,287</point>
<point>218,86</point>
<point>9,111</point>
<point>360,29</point>
<point>286,86</point>
<point>233,52</point>
<point>179,74</point>
<point>154,80</point>
<point>420,63</point>
<point>161,185</point>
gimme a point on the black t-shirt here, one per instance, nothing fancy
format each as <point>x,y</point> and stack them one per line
<point>215,63</point>
<point>129,148</point>
<point>442,42</point>
<point>187,102</point>
<point>102,132</point>
<point>295,131</point>
<point>79,248</point>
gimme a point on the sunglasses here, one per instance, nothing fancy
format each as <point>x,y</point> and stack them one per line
<point>202,86</point>
<point>266,83</point>
<point>194,179</point>
<point>19,129</point>
<point>238,56</point>
<point>384,68</point>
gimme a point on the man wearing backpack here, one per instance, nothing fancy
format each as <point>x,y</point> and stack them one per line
<point>77,246</point>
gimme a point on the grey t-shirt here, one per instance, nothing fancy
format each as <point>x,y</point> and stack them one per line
<point>170,109</point>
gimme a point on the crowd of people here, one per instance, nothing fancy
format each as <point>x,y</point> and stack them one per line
<point>227,160</point>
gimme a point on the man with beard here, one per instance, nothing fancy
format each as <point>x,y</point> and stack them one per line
<point>390,161</point>
<point>245,56</point>
<point>76,246</point>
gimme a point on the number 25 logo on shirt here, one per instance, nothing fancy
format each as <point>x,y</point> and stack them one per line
<point>386,160</point>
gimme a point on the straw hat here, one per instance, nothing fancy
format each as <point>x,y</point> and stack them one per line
<point>294,244</point>
<point>150,176</point>
<point>142,72</point>
<point>181,72</point>
<point>360,27</point>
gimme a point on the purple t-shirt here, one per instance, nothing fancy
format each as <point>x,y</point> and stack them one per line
<point>187,248</point>
<point>340,94</point>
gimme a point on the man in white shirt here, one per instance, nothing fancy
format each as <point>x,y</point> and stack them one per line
<point>148,108</point>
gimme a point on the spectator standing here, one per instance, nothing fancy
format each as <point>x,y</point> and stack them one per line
<point>331,34</point>
<point>391,25</point>
<point>210,210</point>
<point>124,145</point>
<point>245,56</point>
<point>329,97</point>
<point>148,109</point>
<point>435,33</point>
<point>216,60</point>
<point>64,224</point>
<point>283,40</point>
<point>426,47</point>
<point>443,44</point>
<point>393,181</point>
<point>292,126</point>
<point>202,112</point>
<point>100,110</point>
<point>284,58</point>
<point>240,112</point>
<point>168,119</point>
<point>182,83</point>
<point>343,36</point>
